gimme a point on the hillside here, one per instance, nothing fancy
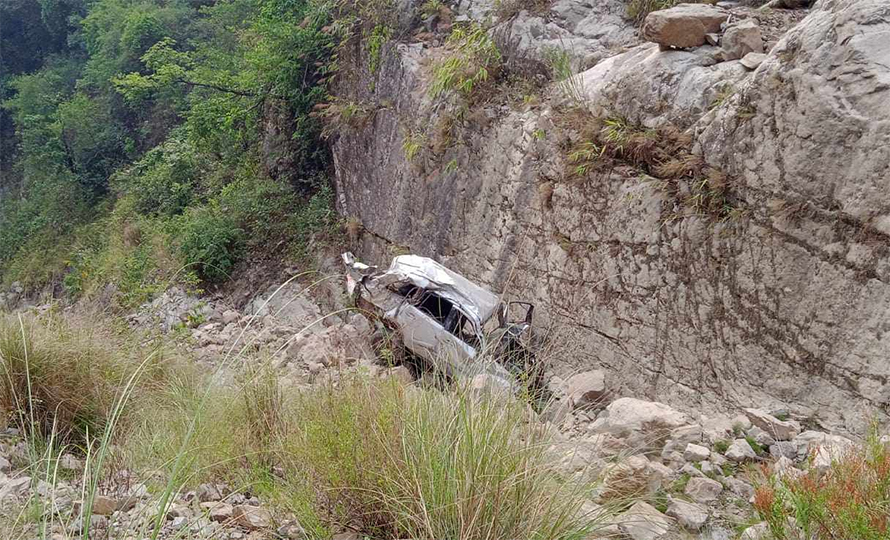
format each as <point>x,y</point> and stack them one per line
<point>691,196</point>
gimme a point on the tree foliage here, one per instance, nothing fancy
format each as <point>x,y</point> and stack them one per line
<point>160,106</point>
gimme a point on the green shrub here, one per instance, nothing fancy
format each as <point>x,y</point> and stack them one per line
<point>471,63</point>
<point>209,242</point>
<point>376,41</point>
<point>165,179</point>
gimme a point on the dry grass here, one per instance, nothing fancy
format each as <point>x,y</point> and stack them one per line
<point>664,153</point>
<point>363,454</point>
<point>62,376</point>
<point>850,501</point>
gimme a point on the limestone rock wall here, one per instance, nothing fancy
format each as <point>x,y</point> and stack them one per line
<point>785,307</point>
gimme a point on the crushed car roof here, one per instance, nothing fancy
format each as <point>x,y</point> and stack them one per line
<point>430,275</point>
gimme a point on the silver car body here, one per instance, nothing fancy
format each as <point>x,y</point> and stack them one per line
<point>439,313</point>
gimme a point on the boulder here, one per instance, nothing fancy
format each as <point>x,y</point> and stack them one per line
<point>208,493</point>
<point>823,447</point>
<point>683,26</point>
<point>643,522</point>
<point>703,490</point>
<point>753,60</point>
<point>709,469</point>
<point>756,532</point>
<point>692,471</point>
<point>67,462</point>
<point>626,416</point>
<point>218,511</point>
<point>740,39</point>
<point>399,373</point>
<point>251,517</point>
<point>739,488</point>
<point>292,530</point>
<point>680,438</point>
<point>783,448</point>
<point>688,515</point>
<point>780,430</point>
<point>486,384</point>
<point>760,437</point>
<point>696,453</point>
<point>230,316</point>
<point>587,389</point>
<point>740,451</point>
<point>784,468</point>
<point>104,505</point>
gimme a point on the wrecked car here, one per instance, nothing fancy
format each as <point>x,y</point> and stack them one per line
<point>443,318</point>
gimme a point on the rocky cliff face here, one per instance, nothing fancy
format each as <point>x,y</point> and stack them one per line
<point>778,298</point>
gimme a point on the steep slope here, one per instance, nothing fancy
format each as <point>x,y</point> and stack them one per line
<point>773,291</point>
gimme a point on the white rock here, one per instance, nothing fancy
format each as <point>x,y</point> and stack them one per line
<point>756,532</point>
<point>627,415</point>
<point>708,468</point>
<point>780,430</point>
<point>230,316</point>
<point>399,373</point>
<point>740,39</point>
<point>688,515</point>
<point>760,436</point>
<point>251,517</point>
<point>784,468</point>
<point>68,463</point>
<point>644,522</point>
<point>753,60</point>
<point>692,471</point>
<point>104,505</point>
<point>486,384</point>
<point>218,511</point>
<point>587,389</point>
<point>208,493</point>
<point>696,453</point>
<point>783,448</point>
<point>739,488</point>
<point>740,451</point>
<point>703,490</point>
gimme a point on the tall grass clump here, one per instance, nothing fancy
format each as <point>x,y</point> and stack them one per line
<point>61,378</point>
<point>470,66</point>
<point>374,456</point>
<point>563,73</point>
<point>637,10</point>
<point>849,500</point>
<point>402,462</point>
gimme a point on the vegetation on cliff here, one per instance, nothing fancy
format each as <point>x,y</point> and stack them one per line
<point>145,141</point>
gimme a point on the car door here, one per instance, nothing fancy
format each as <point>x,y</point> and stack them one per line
<point>423,333</point>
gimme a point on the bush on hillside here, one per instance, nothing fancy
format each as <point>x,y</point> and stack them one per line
<point>165,179</point>
<point>209,242</point>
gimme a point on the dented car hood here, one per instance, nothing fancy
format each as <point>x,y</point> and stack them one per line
<point>425,273</point>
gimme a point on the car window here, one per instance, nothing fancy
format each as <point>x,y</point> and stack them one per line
<point>428,302</point>
<point>462,327</point>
